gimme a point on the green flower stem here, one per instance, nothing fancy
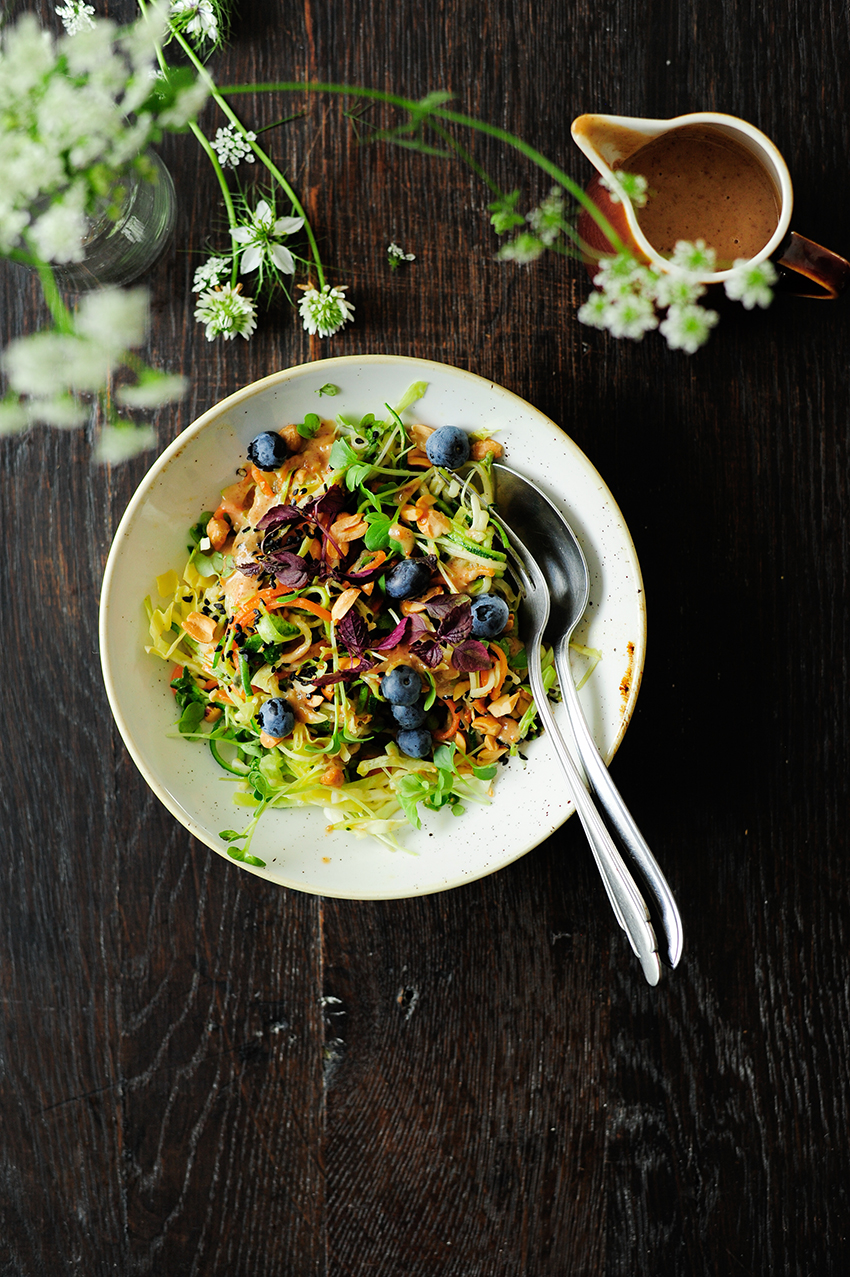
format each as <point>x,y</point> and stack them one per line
<point>262,156</point>
<point>62,317</point>
<point>419,112</point>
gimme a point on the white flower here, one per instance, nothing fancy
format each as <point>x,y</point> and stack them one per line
<point>119,443</point>
<point>114,318</point>
<point>631,186</point>
<point>547,220</point>
<point>258,240</point>
<point>63,411</point>
<point>631,316</point>
<point>185,106</point>
<point>751,283</point>
<point>693,259</point>
<point>226,313</point>
<point>325,312</point>
<point>76,16</point>
<point>13,417</point>
<point>153,389</point>
<point>688,327</point>
<point>525,248</point>
<point>210,273</point>
<point>620,274</point>
<point>58,234</point>
<point>202,20</point>
<point>397,255</point>
<point>595,310</point>
<point>675,289</point>
<point>48,364</point>
<point>232,147</point>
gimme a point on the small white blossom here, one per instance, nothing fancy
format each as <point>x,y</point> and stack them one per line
<point>210,273</point>
<point>547,220</point>
<point>58,234</point>
<point>675,289</point>
<point>631,186</point>
<point>185,106</point>
<point>631,316</point>
<point>114,318</point>
<point>325,312</point>
<point>232,147</point>
<point>525,248</point>
<point>258,239</point>
<point>595,310</point>
<point>13,417</point>
<point>751,283</point>
<point>119,443</point>
<point>688,327</point>
<point>202,22</point>
<point>693,259</point>
<point>226,313</point>
<point>76,16</point>
<point>396,255</point>
<point>152,390</point>
<point>64,411</point>
<point>620,274</point>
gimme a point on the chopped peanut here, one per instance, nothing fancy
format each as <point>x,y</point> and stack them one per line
<point>333,776</point>
<point>344,603</point>
<point>212,712</point>
<point>480,448</point>
<point>349,527</point>
<point>486,725</point>
<point>509,730</point>
<point>433,523</point>
<point>503,705</point>
<point>293,440</point>
<point>404,536</point>
<point>218,530</point>
<point>419,434</point>
<point>416,457</point>
<point>199,627</point>
<point>269,742</point>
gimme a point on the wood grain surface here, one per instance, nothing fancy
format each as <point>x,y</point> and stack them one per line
<point>201,1073</point>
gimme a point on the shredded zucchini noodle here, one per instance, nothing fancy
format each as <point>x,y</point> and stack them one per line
<point>289,616</point>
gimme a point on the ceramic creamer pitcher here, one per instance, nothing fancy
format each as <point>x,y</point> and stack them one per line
<point>710,176</point>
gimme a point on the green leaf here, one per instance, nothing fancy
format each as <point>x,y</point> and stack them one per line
<point>328,389</point>
<point>411,790</point>
<point>342,455</point>
<point>378,534</point>
<point>357,474</point>
<point>505,216</point>
<point>231,835</point>
<point>309,427</point>
<point>484,773</point>
<point>239,853</point>
<point>191,718</point>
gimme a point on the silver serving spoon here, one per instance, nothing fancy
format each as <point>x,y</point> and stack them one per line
<point>551,541</point>
<point>628,904</point>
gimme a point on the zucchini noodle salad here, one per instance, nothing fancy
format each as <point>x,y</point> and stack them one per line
<point>344,632</point>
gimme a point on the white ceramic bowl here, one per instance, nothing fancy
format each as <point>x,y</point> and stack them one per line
<point>530,799</point>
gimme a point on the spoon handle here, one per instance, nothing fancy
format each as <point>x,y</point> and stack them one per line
<point>626,901</point>
<point>609,798</point>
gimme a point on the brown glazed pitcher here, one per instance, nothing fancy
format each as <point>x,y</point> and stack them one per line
<point>748,161</point>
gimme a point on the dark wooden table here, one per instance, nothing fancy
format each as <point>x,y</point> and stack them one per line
<point>201,1073</point>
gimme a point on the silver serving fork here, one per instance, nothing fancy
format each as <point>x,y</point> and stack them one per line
<point>626,901</point>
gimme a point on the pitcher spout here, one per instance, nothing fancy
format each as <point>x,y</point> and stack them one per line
<point>609,140</point>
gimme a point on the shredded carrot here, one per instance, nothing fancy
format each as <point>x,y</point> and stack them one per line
<point>307,604</point>
<point>261,481</point>
<point>446,733</point>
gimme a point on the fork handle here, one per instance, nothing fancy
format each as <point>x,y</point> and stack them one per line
<point>626,901</point>
<point>609,798</point>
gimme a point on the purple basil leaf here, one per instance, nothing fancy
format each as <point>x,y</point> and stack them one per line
<point>330,503</point>
<point>370,574</point>
<point>456,625</point>
<point>470,656</point>
<point>428,650</point>
<point>407,629</point>
<point>252,568</point>
<point>344,676</point>
<point>290,569</point>
<point>353,632</point>
<point>278,515</point>
<point>440,604</point>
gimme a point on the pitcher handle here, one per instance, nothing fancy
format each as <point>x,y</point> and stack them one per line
<point>814,271</point>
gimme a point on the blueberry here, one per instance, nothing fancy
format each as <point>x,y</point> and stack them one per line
<point>401,686</point>
<point>268,451</point>
<point>408,716</point>
<point>489,615</point>
<point>415,742</point>
<point>448,447</point>
<point>275,717</point>
<point>409,578</point>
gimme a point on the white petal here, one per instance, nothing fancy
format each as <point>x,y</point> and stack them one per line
<point>287,225</point>
<point>283,259</point>
<point>251,259</point>
<point>243,234</point>
<point>262,214</point>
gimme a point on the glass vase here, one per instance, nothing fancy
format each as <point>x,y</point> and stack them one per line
<point>121,250</point>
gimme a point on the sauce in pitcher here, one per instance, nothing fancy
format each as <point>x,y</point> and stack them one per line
<point>705,185</point>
